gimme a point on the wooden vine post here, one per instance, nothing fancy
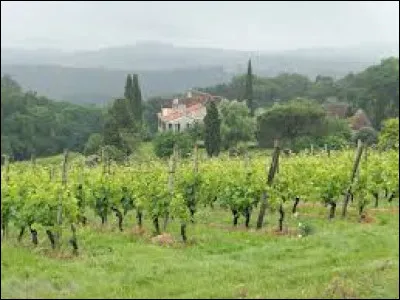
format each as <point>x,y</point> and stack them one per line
<point>327,150</point>
<point>51,173</point>
<point>270,179</point>
<point>6,179</point>
<point>353,175</point>
<point>171,172</point>
<point>60,204</point>
<point>103,159</point>
<point>195,159</point>
<point>33,159</point>
<point>195,171</point>
<point>6,168</point>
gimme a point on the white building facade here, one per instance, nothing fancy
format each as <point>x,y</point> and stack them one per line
<point>184,113</point>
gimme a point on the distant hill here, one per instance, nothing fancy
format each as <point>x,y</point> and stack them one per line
<point>164,69</point>
<point>84,85</point>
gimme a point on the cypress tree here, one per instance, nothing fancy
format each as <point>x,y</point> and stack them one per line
<point>128,91</point>
<point>249,89</point>
<point>212,125</point>
<point>137,99</point>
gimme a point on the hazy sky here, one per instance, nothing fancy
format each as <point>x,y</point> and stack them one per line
<point>231,25</point>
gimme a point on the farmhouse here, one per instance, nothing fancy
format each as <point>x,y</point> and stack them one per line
<point>184,112</point>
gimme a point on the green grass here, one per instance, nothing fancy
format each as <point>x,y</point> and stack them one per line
<point>341,259</point>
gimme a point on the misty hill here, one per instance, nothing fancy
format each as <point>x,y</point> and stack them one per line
<point>161,56</point>
<point>164,69</point>
<point>89,85</point>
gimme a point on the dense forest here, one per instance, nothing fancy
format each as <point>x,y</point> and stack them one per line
<point>375,90</point>
<point>36,125</point>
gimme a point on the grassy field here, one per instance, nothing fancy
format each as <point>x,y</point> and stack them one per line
<point>340,259</point>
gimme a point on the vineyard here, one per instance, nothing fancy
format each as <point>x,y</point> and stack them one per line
<point>50,205</point>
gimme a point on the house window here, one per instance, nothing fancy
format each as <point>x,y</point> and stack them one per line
<point>178,127</point>
<point>188,125</point>
<point>169,126</point>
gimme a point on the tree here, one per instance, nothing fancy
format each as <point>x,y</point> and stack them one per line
<point>120,130</point>
<point>249,89</point>
<point>33,123</point>
<point>93,144</point>
<point>128,94</point>
<point>367,135</point>
<point>289,121</point>
<point>236,123</point>
<point>389,135</point>
<point>164,143</point>
<point>212,134</point>
<point>119,111</point>
<point>375,90</point>
<point>137,100</point>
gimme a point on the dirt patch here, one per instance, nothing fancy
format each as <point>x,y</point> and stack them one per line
<point>392,210</point>
<point>229,227</point>
<point>242,291</point>
<point>339,288</point>
<point>367,219</point>
<point>284,232</point>
<point>308,204</point>
<point>59,254</point>
<point>136,230</point>
<point>164,239</point>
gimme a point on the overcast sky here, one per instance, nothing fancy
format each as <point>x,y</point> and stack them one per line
<point>229,25</point>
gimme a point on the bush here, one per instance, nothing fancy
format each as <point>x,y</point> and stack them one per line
<point>114,153</point>
<point>93,144</point>
<point>367,135</point>
<point>305,229</point>
<point>164,143</point>
<point>334,142</point>
<point>389,135</point>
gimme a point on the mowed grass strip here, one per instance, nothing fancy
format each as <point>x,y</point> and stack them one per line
<point>341,259</point>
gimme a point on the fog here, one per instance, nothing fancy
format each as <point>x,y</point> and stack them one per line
<point>267,26</point>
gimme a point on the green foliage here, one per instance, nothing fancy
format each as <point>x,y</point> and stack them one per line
<point>196,131</point>
<point>305,229</point>
<point>300,118</point>
<point>93,144</point>
<point>113,153</point>
<point>375,90</point>
<point>164,143</point>
<point>337,127</point>
<point>212,130</point>
<point>389,135</point>
<point>367,135</point>
<point>150,109</point>
<point>36,124</point>
<point>323,88</point>
<point>128,93</point>
<point>237,125</point>
<point>137,110</point>
<point>249,89</point>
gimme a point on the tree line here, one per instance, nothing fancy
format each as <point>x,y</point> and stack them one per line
<point>35,125</point>
<point>255,113</point>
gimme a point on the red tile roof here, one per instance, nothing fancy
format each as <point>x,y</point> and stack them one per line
<point>176,114</point>
<point>193,105</point>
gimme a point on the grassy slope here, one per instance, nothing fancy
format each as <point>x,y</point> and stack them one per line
<point>341,259</point>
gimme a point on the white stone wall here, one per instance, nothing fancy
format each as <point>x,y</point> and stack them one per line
<point>184,122</point>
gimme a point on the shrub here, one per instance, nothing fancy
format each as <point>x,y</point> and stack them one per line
<point>367,135</point>
<point>164,143</point>
<point>389,135</point>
